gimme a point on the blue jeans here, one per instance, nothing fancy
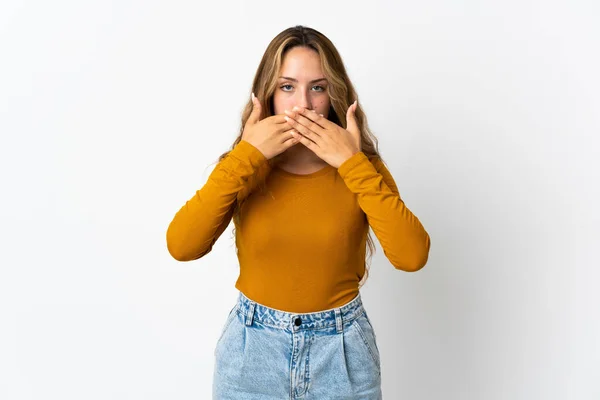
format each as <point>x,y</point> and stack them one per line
<point>264,353</point>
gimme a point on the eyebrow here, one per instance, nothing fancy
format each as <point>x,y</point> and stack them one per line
<point>296,80</point>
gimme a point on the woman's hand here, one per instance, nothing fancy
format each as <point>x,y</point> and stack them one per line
<point>271,135</point>
<point>332,143</point>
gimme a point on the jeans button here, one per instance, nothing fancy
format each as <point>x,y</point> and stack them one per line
<point>298,321</point>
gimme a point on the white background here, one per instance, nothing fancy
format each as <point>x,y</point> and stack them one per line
<point>112,115</point>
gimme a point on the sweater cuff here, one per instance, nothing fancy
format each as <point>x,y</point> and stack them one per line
<point>352,162</point>
<point>245,151</point>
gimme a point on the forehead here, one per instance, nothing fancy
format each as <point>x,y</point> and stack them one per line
<point>301,63</point>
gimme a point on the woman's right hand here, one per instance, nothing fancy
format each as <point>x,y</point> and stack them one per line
<point>271,135</point>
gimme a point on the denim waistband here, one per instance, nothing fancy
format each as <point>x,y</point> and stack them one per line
<point>334,317</point>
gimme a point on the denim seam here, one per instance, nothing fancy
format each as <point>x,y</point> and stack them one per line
<point>348,321</point>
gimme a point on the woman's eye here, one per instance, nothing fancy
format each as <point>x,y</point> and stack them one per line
<point>322,88</point>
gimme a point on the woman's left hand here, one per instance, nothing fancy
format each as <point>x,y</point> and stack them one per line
<point>332,143</point>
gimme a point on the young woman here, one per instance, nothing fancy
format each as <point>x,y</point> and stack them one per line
<point>303,182</point>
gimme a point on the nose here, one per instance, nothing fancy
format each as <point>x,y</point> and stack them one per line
<point>304,100</point>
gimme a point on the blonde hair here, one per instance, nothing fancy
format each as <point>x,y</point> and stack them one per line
<point>341,95</point>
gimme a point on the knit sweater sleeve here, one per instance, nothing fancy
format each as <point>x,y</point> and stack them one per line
<point>401,235</point>
<point>202,219</point>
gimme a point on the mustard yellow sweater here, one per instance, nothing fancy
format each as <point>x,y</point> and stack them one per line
<point>301,244</point>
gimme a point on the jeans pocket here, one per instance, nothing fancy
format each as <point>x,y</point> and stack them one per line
<point>369,342</point>
<point>232,314</point>
<point>373,331</point>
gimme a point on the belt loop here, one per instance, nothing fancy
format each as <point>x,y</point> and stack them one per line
<point>250,313</point>
<point>338,320</point>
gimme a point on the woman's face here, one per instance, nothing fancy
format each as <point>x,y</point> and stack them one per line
<point>304,84</point>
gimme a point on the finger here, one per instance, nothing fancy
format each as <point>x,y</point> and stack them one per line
<point>277,119</point>
<point>312,115</point>
<point>285,127</point>
<point>305,141</point>
<point>285,130</point>
<point>289,138</point>
<point>351,123</point>
<point>310,124</point>
<point>256,110</point>
<point>304,130</point>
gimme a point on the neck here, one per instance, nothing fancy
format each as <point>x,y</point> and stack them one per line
<point>300,155</point>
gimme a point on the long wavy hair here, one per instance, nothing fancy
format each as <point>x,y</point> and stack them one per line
<point>341,95</point>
